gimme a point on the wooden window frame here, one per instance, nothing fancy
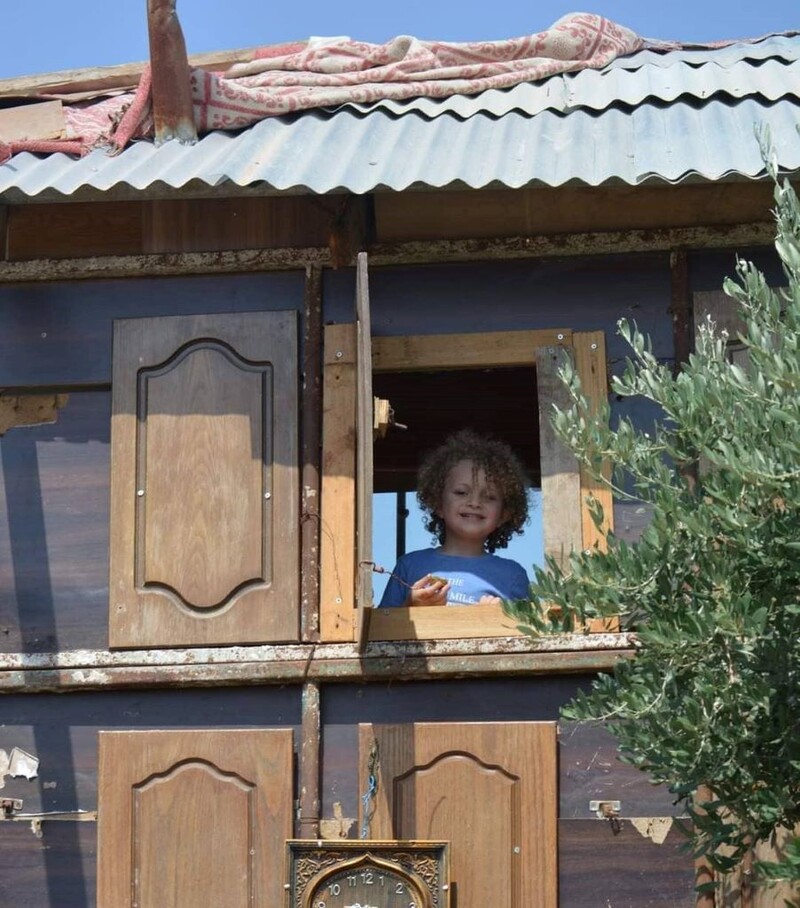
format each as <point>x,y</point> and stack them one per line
<point>567,522</point>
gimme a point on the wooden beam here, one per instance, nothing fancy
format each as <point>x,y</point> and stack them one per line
<point>462,351</point>
<point>561,476</point>
<point>32,121</point>
<point>170,264</point>
<point>104,79</point>
<point>338,498</point>
<point>311,454</point>
<point>310,742</point>
<point>591,366</point>
<point>349,666</point>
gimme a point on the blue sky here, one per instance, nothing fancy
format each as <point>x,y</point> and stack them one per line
<point>51,35</point>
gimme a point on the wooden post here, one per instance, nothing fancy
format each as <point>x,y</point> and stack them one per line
<point>308,820</point>
<point>310,492</point>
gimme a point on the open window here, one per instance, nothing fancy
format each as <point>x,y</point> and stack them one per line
<point>512,379</point>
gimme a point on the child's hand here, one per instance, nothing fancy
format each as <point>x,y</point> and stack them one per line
<point>490,600</point>
<point>429,590</point>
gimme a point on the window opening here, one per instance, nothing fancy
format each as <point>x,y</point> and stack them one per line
<point>501,402</point>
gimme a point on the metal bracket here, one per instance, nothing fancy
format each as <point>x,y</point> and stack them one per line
<point>10,806</point>
<point>604,810</point>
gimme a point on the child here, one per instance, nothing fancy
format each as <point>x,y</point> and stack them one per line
<point>473,491</point>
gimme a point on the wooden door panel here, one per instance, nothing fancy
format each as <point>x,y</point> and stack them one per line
<point>193,819</point>
<point>488,788</point>
<point>204,490</point>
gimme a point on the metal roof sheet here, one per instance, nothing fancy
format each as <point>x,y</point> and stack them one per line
<point>600,89</point>
<point>639,119</point>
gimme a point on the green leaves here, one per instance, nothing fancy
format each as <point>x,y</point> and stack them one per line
<point>711,699</point>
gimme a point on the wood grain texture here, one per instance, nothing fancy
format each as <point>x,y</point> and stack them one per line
<point>61,334</point>
<point>74,230</point>
<point>204,493</point>
<point>597,868</point>
<point>54,530</point>
<point>462,351</point>
<point>591,366</point>
<point>193,818</point>
<point>537,212</point>
<point>364,453</point>
<point>488,788</point>
<point>338,504</point>
<point>211,225</point>
<point>44,120</point>
<point>430,622</point>
<point>561,491</point>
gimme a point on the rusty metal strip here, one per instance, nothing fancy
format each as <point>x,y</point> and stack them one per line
<point>428,252</point>
<point>171,91</point>
<point>311,440</point>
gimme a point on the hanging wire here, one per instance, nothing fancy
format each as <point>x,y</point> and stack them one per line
<point>368,798</point>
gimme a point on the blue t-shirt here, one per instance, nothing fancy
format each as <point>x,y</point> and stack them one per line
<point>469,577</point>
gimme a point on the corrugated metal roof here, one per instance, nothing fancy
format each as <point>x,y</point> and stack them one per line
<point>650,116</point>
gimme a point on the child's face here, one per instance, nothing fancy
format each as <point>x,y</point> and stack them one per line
<point>472,508</point>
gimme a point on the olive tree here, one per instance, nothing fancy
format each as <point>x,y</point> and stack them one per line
<point>709,703</point>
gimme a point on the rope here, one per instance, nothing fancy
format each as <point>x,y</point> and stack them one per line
<point>368,798</point>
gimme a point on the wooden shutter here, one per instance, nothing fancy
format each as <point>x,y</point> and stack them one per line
<point>193,819</point>
<point>204,488</point>
<point>364,465</point>
<point>561,475</point>
<point>487,788</point>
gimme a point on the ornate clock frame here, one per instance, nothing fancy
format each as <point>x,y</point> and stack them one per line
<point>425,866</point>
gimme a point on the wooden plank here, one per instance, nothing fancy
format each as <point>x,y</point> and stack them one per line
<point>536,212</point>
<point>462,351</point>
<point>32,121</point>
<point>353,666</point>
<point>54,531</point>
<point>62,861</point>
<point>103,79</point>
<point>193,817</point>
<point>204,491</point>
<point>74,230</point>
<point>337,507</point>
<point>520,248</point>
<point>311,434</point>
<point>561,483</point>
<point>198,225</point>
<point>625,870</point>
<point>716,306</point>
<point>590,364</point>
<point>364,453</point>
<point>430,622</point>
<point>489,788</point>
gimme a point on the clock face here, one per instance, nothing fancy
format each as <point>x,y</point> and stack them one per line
<point>366,886</point>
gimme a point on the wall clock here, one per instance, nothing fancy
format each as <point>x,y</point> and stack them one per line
<point>367,874</point>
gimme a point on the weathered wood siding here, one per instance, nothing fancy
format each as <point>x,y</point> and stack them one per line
<point>624,867</point>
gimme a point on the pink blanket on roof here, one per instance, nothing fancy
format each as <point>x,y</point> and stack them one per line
<point>344,71</point>
<point>333,72</point>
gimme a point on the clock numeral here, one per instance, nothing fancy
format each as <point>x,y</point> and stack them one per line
<point>399,888</point>
<point>366,876</point>
<point>351,879</point>
<point>334,889</point>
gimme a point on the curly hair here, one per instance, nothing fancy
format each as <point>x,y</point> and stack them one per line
<point>502,468</point>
